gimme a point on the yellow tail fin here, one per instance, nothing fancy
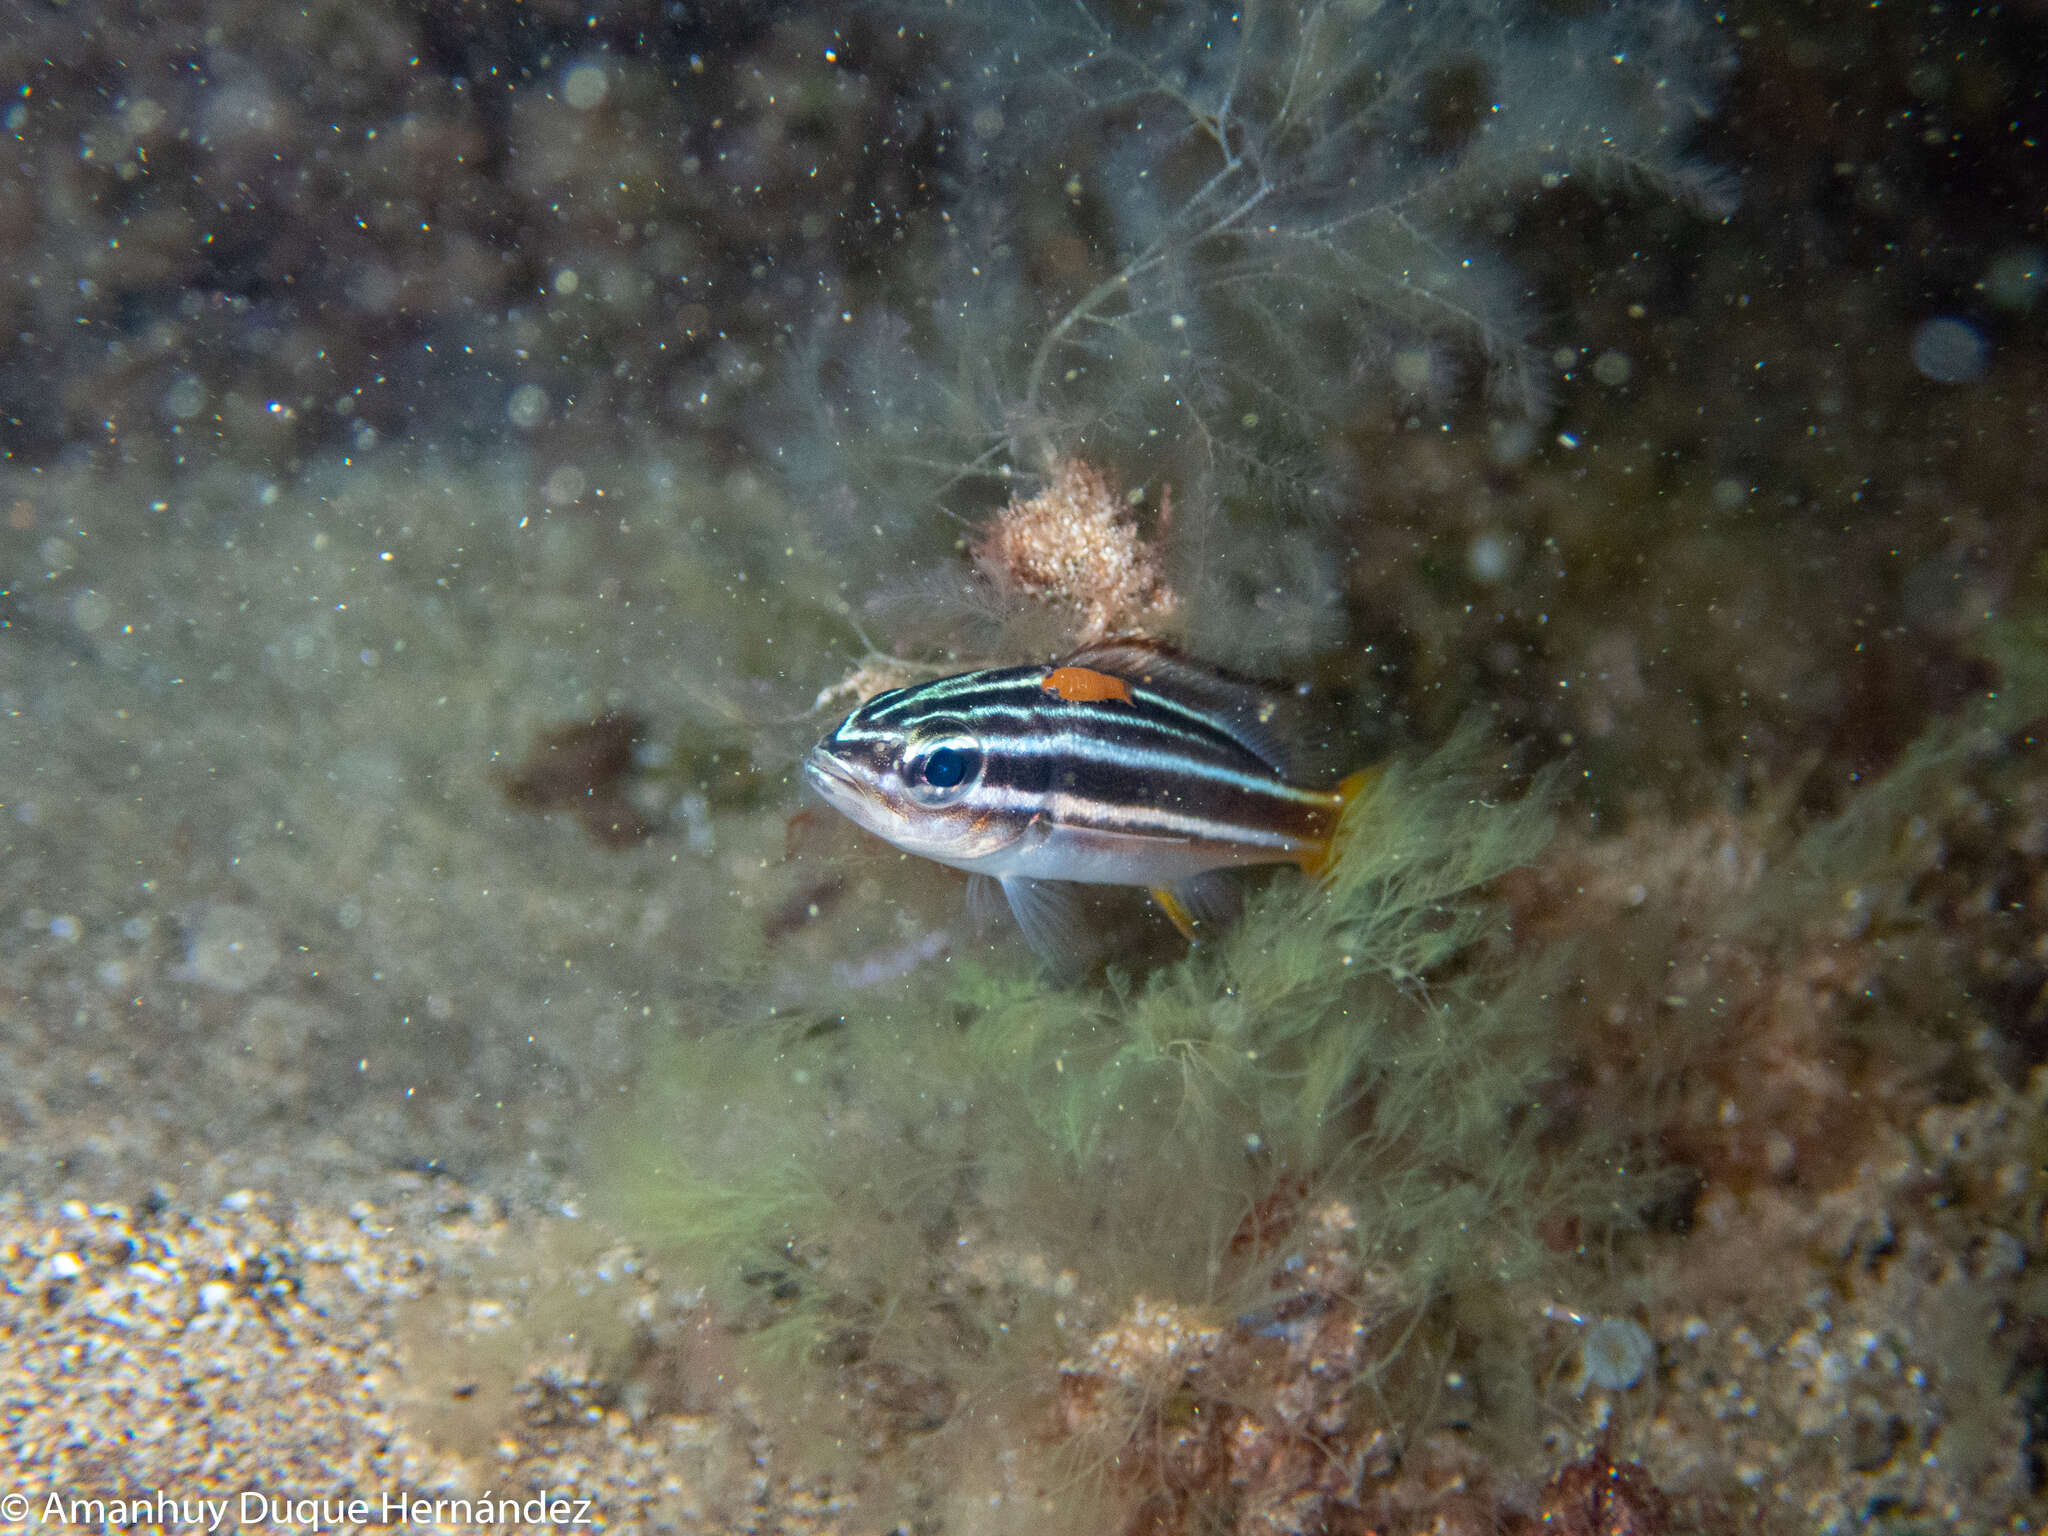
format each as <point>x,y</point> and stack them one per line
<point>1316,862</point>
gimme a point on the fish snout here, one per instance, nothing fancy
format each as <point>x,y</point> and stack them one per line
<point>837,784</point>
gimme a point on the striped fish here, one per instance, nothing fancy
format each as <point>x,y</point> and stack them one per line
<point>1124,764</point>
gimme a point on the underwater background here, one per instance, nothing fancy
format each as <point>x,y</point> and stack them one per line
<point>456,459</point>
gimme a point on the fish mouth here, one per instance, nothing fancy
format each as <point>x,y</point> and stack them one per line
<point>835,783</point>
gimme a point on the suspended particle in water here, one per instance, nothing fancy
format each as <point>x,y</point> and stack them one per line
<point>585,85</point>
<point>185,398</point>
<point>2015,278</point>
<point>1511,442</point>
<point>1729,494</point>
<point>1612,369</point>
<point>1489,558</point>
<point>1950,351</point>
<point>565,485</point>
<point>231,948</point>
<point>528,407</point>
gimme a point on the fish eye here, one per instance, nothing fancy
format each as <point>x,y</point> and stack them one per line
<point>946,767</point>
<point>941,767</point>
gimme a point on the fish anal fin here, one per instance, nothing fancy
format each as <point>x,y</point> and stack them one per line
<point>1315,861</point>
<point>1201,904</point>
<point>1215,898</point>
<point>1176,914</point>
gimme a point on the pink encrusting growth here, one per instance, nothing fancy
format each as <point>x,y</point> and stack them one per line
<point>1076,546</point>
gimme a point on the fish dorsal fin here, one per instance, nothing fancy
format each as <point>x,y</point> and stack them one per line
<point>1250,713</point>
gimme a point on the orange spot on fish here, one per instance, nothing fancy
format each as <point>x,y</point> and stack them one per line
<point>1084,685</point>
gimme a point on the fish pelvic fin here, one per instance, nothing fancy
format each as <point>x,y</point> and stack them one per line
<point>1050,913</point>
<point>1315,862</point>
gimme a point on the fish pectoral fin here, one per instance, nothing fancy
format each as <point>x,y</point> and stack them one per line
<point>1049,912</point>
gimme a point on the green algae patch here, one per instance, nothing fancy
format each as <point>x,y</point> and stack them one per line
<point>1366,1037</point>
<point>1306,1195</point>
<point>920,1205</point>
